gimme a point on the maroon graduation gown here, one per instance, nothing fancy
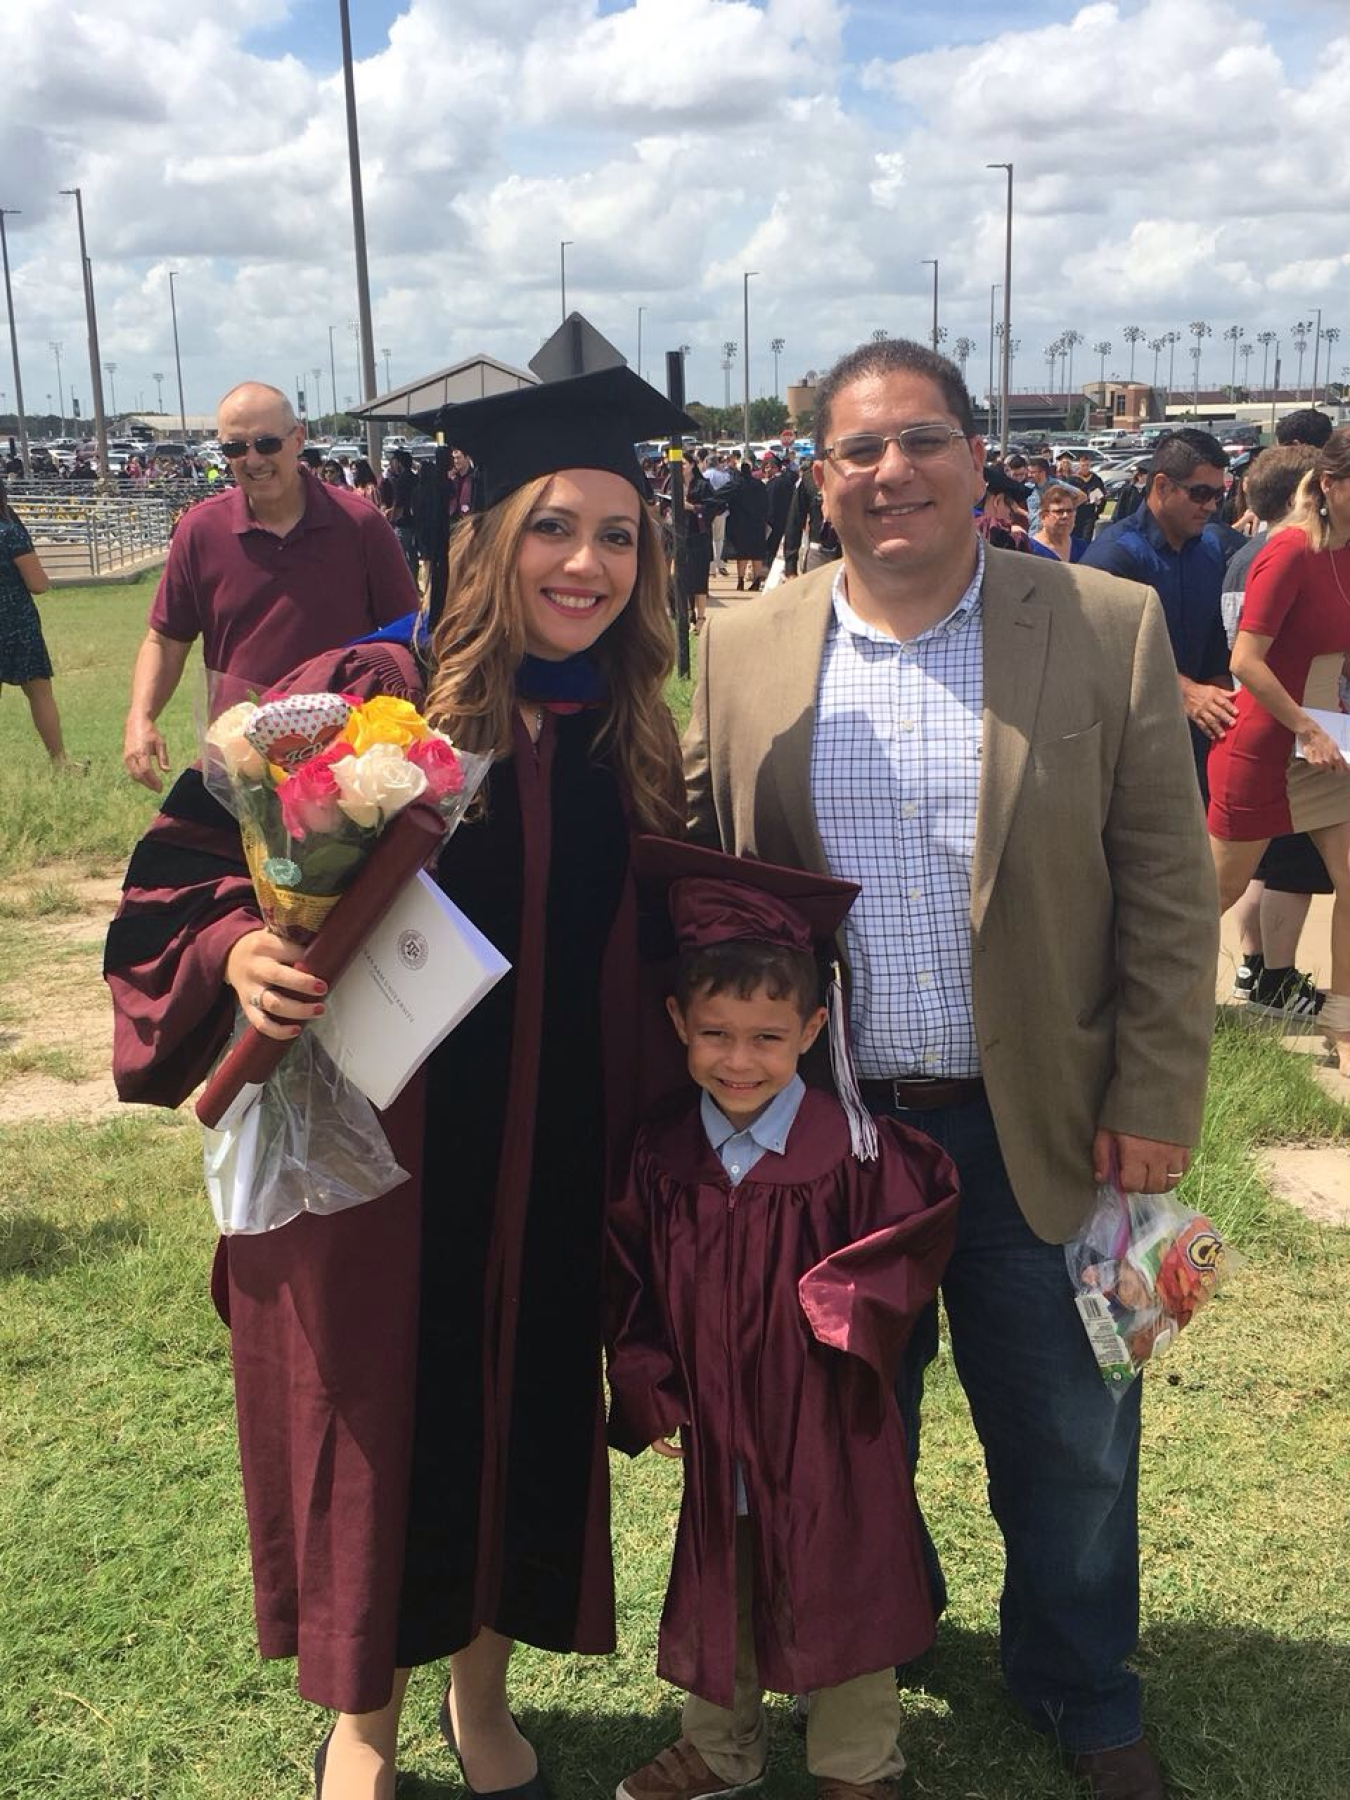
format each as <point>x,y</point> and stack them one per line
<point>772,1314</point>
<point>418,1379</point>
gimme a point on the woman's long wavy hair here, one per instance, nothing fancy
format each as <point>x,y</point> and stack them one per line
<point>1310,510</point>
<point>479,641</point>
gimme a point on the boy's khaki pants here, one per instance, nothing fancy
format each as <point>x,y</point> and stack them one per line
<point>851,1730</point>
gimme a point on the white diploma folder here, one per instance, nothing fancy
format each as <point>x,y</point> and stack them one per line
<point>422,969</point>
<point>1335,724</point>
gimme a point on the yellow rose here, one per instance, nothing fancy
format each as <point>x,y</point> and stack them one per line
<point>384,720</point>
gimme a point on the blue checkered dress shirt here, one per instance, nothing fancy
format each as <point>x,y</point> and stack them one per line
<point>895,776</point>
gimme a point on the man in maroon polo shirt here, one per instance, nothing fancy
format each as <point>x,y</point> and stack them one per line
<point>267,574</point>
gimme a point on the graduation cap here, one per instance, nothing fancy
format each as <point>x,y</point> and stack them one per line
<point>718,899</point>
<point>586,422</point>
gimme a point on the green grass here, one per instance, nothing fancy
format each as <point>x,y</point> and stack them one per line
<point>47,815</point>
<point>125,1624</point>
<point>58,1065</point>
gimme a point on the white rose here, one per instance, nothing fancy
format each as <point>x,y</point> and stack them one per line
<point>377,784</point>
<point>226,736</point>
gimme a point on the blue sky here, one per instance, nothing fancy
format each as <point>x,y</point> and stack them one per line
<point>1174,163</point>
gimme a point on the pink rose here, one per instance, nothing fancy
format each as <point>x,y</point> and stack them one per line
<point>309,797</point>
<point>435,757</point>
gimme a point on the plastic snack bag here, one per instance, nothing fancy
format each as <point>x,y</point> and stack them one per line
<point>1142,1266</point>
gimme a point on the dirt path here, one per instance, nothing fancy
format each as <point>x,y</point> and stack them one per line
<point>55,1012</point>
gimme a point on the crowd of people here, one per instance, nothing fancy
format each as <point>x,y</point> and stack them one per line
<point>951,753</point>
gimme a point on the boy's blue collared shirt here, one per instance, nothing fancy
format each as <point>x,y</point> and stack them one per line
<point>741,1150</point>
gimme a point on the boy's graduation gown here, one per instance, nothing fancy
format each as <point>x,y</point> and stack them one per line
<point>774,1312</point>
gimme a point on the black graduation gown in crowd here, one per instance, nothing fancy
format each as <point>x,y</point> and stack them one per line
<point>747,502</point>
<point>418,1379</point>
<point>773,1314</point>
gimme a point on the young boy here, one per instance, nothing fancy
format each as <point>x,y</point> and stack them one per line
<point>766,1263</point>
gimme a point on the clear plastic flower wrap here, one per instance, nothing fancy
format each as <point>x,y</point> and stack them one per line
<point>1142,1266</point>
<point>266,1162</point>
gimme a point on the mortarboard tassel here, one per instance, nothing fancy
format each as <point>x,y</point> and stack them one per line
<point>862,1128</point>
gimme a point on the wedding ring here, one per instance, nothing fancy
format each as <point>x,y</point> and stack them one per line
<point>1175,1174</point>
<point>256,1001</point>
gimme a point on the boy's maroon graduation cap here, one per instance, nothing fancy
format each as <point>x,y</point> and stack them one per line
<point>719,899</point>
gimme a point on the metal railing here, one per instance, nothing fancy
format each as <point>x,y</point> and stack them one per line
<point>82,535</point>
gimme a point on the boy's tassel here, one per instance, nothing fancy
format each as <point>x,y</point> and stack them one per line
<point>862,1128</point>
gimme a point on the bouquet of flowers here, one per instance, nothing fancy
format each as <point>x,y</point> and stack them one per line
<point>324,786</point>
<point>314,779</point>
<point>1142,1267</point>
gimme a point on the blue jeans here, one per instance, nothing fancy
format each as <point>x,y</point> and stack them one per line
<point>1062,1455</point>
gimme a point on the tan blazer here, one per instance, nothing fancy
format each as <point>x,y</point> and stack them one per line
<point>1093,912</point>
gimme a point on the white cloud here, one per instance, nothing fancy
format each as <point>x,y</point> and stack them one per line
<point>1169,163</point>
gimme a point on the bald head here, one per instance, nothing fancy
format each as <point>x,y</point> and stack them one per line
<point>252,395</point>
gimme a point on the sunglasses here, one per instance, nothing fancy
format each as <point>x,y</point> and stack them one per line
<point>920,443</point>
<point>265,446</point>
<point>1200,493</point>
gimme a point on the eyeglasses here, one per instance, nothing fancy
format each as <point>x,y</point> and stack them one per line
<point>265,446</point>
<point>1059,512</point>
<point>920,443</point>
<point>1200,493</point>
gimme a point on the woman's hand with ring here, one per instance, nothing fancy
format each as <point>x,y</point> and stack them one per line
<point>276,996</point>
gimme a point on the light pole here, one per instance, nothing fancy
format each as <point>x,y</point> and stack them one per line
<point>1265,339</point>
<point>177,358</point>
<point>1199,331</point>
<point>745,360</point>
<point>777,345</point>
<point>1069,339</point>
<point>563,245</point>
<point>388,378</point>
<point>1171,339</point>
<point>12,212</point>
<point>366,374</point>
<point>91,318</point>
<point>1332,336</point>
<point>641,310</point>
<point>1317,356</point>
<point>1157,345</point>
<point>1233,335</point>
<point>111,367</point>
<point>1007,306</point>
<point>318,392</point>
<point>354,328</point>
<point>158,380</point>
<point>961,350</point>
<point>1245,351</point>
<point>60,388</point>
<point>1132,334</point>
<point>728,358</point>
<point>931,262</point>
<point>332,373</point>
<point>1300,337</point>
<point>1102,349</point>
<point>989,391</point>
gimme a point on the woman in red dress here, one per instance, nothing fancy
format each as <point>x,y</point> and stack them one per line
<point>1276,770</point>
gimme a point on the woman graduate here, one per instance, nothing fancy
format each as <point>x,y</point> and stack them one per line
<point>418,1379</point>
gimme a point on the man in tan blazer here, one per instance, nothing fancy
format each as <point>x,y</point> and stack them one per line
<point>992,743</point>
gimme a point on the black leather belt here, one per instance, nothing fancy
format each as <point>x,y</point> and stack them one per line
<point>916,1094</point>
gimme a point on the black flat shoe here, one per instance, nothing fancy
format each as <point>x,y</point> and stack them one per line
<point>536,1788</point>
<point>321,1763</point>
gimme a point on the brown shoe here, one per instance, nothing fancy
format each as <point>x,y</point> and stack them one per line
<point>1130,1773</point>
<point>679,1773</point>
<point>827,1788</point>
